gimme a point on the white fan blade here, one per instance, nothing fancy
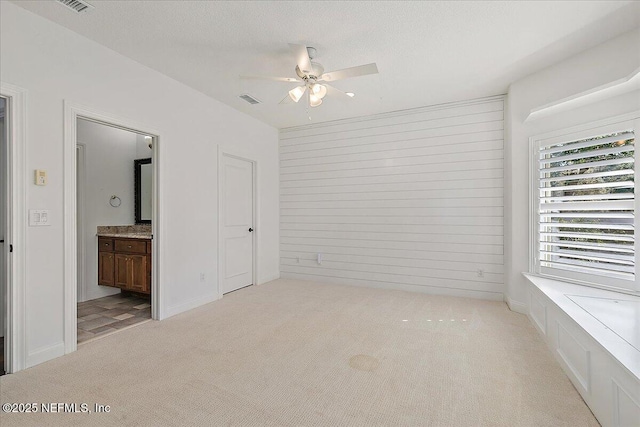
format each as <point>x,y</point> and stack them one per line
<point>277,79</point>
<point>286,100</point>
<point>361,70</point>
<point>302,57</point>
<point>337,93</point>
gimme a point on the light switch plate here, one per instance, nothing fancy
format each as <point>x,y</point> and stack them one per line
<point>38,217</point>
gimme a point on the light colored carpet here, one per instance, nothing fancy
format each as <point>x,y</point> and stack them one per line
<point>298,353</point>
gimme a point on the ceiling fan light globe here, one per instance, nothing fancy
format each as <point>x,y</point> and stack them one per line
<point>296,93</point>
<point>319,90</point>
<point>314,100</point>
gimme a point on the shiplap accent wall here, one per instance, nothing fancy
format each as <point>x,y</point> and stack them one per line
<point>409,200</point>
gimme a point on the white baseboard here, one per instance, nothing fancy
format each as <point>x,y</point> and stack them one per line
<point>432,290</point>
<point>189,305</point>
<point>44,354</point>
<point>268,278</point>
<point>517,306</point>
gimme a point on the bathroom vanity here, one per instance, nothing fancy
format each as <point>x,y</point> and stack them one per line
<point>124,257</point>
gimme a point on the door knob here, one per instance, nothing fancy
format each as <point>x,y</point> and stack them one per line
<point>250,229</point>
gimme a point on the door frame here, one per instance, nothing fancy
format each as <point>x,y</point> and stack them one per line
<point>80,188</point>
<point>256,229</point>
<point>73,112</point>
<point>16,214</point>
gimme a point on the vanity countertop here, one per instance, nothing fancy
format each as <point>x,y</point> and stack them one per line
<point>138,231</point>
<point>126,235</point>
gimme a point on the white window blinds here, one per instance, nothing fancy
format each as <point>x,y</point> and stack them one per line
<point>586,210</point>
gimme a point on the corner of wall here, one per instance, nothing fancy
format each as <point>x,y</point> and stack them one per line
<point>45,353</point>
<point>516,306</point>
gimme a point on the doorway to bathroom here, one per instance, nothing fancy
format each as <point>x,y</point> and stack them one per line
<point>114,204</point>
<point>113,244</point>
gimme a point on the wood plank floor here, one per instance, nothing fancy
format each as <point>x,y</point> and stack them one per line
<point>106,315</point>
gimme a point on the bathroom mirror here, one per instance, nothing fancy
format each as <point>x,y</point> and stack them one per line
<point>143,190</point>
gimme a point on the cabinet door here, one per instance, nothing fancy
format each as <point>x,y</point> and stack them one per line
<point>106,269</point>
<point>138,279</point>
<point>122,268</point>
<point>131,272</point>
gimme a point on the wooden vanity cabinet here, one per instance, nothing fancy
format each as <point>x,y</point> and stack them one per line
<point>125,263</point>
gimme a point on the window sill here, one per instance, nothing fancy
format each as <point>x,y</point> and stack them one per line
<point>594,311</point>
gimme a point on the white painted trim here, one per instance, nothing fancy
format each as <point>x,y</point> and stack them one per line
<point>538,320</point>
<point>517,306</point>
<point>158,310</point>
<point>583,379</point>
<point>430,290</point>
<point>72,112</point>
<point>534,226</point>
<point>617,388</point>
<point>81,150</point>
<point>256,228</point>
<point>269,279</point>
<point>189,305</point>
<point>46,353</point>
<point>397,113</point>
<point>16,125</point>
<point>626,84</point>
<point>586,127</point>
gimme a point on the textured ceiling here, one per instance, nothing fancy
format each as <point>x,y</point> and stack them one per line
<point>427,52</point>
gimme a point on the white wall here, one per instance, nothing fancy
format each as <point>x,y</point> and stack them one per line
<point>54,65</point>
<point>410,200</point>
<point>109,155</point>
<point>605,63</point>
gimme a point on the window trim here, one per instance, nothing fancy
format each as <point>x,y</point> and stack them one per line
<point>630,121</point>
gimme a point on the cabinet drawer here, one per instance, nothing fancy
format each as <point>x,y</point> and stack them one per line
<point>105,244</point>
<point>131,246</point>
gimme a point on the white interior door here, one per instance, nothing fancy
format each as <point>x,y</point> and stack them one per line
<point>3,221</point>
<point>237,223</point>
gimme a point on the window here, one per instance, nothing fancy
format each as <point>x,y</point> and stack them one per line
<point>585,206</point>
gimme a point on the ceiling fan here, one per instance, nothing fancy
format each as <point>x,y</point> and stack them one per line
<point>312,78</point>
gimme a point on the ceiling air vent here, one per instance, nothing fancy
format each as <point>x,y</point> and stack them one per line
<point>76,5</point>
<point>250,99</point>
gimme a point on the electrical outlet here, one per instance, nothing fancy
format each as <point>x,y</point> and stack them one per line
<point>319,259</point>
<point>202,277</point>
<point>298,260</point>
<point>480,272</point>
